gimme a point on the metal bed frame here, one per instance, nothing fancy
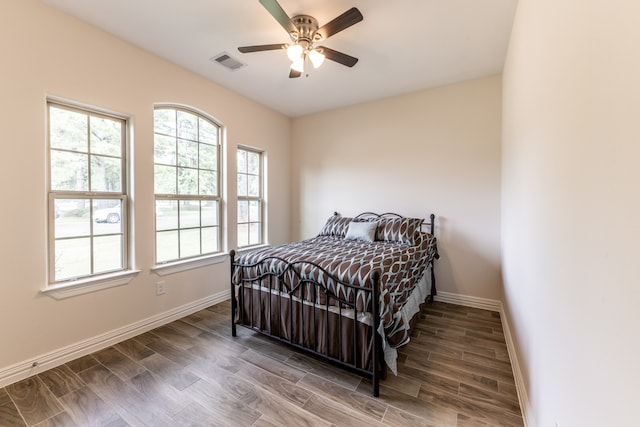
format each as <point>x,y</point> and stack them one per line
<point>306,289</point>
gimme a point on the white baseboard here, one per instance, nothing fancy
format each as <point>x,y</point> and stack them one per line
<point>495,305</point>
<point>468,301</point>
<point>43,362</point>
<point>523,397</point>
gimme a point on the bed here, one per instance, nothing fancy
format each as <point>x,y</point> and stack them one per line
<point>348,295</point>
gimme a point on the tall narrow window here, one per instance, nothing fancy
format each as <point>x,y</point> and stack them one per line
<point>87,193</point>
<point>187,184</point>
<point>250,197</point>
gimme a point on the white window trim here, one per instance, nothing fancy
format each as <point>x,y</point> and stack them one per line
<point>92,284</point>
<point>98,281</point>
<point>246,249</point>
<point>188,264</point>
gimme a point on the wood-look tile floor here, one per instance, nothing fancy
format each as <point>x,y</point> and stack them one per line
<point>454,372</point>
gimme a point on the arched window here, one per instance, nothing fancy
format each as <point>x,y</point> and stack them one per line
<point>186,183</point>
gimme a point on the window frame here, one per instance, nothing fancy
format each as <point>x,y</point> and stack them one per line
<point>260,198</point>
<point>179,263</point>
<point>105,278</point>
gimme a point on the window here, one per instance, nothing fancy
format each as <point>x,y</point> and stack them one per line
<point>250,199</point>
<point>187,184</point>
<point>87,193</point>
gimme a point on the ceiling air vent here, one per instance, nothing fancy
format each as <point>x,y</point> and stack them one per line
<point>227,61</point>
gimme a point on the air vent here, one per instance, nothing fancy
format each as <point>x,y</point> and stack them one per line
<point>227,61</point>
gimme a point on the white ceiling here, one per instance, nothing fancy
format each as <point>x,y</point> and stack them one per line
<point>402,45</point>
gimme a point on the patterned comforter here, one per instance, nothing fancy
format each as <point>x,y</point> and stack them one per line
<point>401,265</point>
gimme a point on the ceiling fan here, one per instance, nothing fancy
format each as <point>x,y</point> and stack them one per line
<point>305,33</point>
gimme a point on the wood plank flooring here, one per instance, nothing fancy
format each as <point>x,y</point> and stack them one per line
<point>454,372</point>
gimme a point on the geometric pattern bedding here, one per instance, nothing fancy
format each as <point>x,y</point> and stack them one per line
<point>402,265</point>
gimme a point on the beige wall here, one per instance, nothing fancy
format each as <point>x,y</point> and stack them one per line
<point>571,145</point>
<point>432,151</point>
<point>45,52</point>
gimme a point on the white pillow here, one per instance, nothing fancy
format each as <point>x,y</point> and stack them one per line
<point>365,231</point>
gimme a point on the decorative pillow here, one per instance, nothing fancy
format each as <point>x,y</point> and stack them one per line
<point>364,231</point>
<point>401,230</point>
<point>336,226</point>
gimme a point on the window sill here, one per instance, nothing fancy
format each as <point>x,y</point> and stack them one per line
<point>248,249</point>
<point>189,264</point>
<point>93,284</point>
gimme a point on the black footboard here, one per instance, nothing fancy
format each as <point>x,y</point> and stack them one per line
<point>327,321</point>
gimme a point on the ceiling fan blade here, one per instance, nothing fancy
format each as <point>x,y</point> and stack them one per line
<point>293,73</point>
<point>274,8</point>
<point>342,22</point>
<point>261,47</point>
<point>339,57</point>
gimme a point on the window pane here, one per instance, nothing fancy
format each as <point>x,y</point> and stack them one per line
<point>208,132</point>
<point>165,180</point>
<point>73,258</point>
<point>209,240</point>
<point>107,254</point>
<point>208,157</point>
<point>253,163</point>
<point>68,130</point>
<point>166,215</point>
<point>187,154</point>
<point>242,185</point>
<point>164,150</point>
<point>187,126</point>
<point>164,121</point>
<point>243,234</point>
<point>187,181</point>
<point>189,242</point>
<point>253,184</point>
<point>106,174</point>
<point>69,171</point>
<point>166,245</point>
<point>254,211</point>
<point>208,183</point>
<point>254,234</point>
<point>107,216</point>
<point>243,211</point>
<point>242,161</point>
<point>209,213</point>
<point>189,214</point>
<point>106,136</point>
<point>71,218</point>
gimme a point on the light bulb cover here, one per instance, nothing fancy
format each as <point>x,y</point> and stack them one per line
<point>294,52</point>
<point>298,65</point>
<point>316,57</point>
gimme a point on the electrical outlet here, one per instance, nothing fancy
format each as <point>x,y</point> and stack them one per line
<point>160,288</point>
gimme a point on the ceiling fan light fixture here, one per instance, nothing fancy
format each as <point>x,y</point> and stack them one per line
<point>294,52</point>
<point>316,57</point>
<point>298,65</point>
<point>304,32</point>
